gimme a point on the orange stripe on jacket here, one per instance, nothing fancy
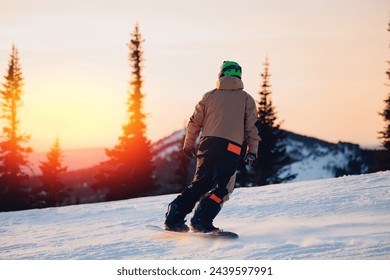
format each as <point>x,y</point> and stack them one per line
<point>234,149</point>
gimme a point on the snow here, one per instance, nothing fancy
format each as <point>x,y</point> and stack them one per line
<point>343,218</point>
<point>317,159</point>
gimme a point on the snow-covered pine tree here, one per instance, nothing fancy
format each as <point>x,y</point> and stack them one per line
<point>384,156</point>
<point>272,166</point>
<point>129,170</point>
<point>52,186</point>
<point>13,154</point>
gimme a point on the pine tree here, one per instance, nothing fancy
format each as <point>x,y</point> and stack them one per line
<point>51,171</point>
<point>384,157</point>
<point>272,164</point>
<point>129,171</point>
<point>13,155</point>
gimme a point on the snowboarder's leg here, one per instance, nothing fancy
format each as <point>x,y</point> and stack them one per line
<point>205,212</point>
<point>230,188</point>
<point>174,218</point>
<point>185,202</point>
<point>209,207</point>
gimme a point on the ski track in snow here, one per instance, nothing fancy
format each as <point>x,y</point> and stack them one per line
<point>343,218</point>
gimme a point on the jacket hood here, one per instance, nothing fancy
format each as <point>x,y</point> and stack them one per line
<point>229,83</point>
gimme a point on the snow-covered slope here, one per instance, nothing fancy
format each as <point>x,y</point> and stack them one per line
<point>344,218</point>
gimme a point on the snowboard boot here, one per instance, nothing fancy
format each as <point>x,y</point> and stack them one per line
<point>205,212</point>
<point>174,219</point>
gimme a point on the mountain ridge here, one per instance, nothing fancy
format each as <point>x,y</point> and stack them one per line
<point>313,159</point>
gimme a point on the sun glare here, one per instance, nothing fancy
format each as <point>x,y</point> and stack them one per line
<point>79,115</point>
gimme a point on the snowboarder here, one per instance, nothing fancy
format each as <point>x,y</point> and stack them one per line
<point>225,116</point>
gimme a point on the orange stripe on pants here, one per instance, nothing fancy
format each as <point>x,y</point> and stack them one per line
<point>215,198</point>
<point>234,149</point>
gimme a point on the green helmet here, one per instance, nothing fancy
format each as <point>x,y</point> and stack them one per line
<point>230,68</point>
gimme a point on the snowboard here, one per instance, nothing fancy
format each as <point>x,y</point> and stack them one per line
<point>220,234</point>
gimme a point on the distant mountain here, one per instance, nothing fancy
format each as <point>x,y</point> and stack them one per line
<point>317,159</point>
<point>313,158</point>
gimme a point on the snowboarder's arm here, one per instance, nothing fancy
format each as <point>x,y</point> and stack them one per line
<point>251,131</point>
<point>195,124</point>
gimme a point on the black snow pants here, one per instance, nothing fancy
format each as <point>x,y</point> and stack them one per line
<point>217,161</point>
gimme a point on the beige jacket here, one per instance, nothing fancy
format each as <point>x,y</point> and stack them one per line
<point>227,112</point>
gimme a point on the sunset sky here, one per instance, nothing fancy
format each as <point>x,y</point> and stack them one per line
<point>327,61</point>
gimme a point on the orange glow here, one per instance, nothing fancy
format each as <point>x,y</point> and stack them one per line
<point>327,64</point>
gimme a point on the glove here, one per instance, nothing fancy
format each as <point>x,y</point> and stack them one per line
<point>250,159</point>
<point>189,152</point>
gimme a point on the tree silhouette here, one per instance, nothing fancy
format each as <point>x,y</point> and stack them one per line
<point>384,156</point>
<point>13,155</point>
<point>272,165</point>
<point>129,171</point>
<point>51,169</point>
